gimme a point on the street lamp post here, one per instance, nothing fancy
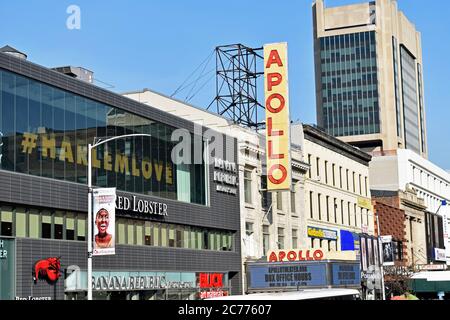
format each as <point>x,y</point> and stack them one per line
<point>90,147</point>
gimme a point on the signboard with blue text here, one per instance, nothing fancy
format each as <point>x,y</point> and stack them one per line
<point>287,275</point>
<point>345,274</point>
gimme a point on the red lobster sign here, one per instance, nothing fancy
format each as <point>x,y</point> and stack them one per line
<point>47,269</point>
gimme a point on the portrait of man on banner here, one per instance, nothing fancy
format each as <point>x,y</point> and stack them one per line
<point>104,221</point>
<point>388,252</point>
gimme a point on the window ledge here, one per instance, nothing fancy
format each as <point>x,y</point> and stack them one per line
<point>249,206</point>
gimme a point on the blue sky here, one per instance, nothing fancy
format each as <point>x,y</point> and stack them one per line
<point>157,44</point>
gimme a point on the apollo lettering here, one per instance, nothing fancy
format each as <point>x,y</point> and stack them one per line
<point>300,255</point>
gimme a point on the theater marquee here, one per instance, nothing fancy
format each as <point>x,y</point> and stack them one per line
<point>277,117</point>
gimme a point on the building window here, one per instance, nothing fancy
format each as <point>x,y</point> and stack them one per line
<point>342,212</point>
<point>318,203</point>
<point>81,228</point>
<point>318,167</point>
<point>311,207</point>
<point>58,225</point>
<point>249,228</point>
<point>70,226</point>
<point>266,239</point>
<point>333,169</point>
<point>328,208</point>
<point>335,210</point>
<point>6,222</point>
<point>360,185</point>
<point>349,214</point>
<point>354,183</point>
<point>365,183</point>
<point>280,238</point>
<point>148,233</point>
<point>326,172</point>
<point>46,226</point>
<point>279,200</point>
<point>293,202</point>
<point>354,213</point>
<point>310,166</point>
<point>172,240</point>
<point>348,181</point>
<point>340,177</point>
<point>248,186</point>
<point>294,239</point>
<point>21,222</point>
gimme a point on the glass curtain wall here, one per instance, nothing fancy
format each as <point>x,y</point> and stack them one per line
<point>45,131</point>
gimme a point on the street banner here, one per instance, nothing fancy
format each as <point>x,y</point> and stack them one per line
<point>277,117</point>
<point>104,215</point>
<point>388,251</point>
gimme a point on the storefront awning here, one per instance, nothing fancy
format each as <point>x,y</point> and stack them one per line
<point>432,281</point>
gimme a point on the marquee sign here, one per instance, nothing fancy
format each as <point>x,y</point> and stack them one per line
<point>277,117</point>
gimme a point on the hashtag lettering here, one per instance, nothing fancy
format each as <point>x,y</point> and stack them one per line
<point>28,142</point>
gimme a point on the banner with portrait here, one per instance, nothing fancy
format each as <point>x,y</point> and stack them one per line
<point>388,251</point>
<point>104,215</point>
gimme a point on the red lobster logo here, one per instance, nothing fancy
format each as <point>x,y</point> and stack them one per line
<point>47,269</point>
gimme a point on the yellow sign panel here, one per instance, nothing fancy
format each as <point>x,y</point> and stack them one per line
<point>277,117</point>
<point>365,203</point>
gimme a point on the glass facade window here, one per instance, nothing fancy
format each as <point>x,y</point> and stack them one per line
<point>410,106</point>
<point>70,226</point>
<point>397,88</point>
<point>350,103</point>
<point>6,221</point>
<point>45,132</point>
<point>21,222</point>
<point>421,109</point>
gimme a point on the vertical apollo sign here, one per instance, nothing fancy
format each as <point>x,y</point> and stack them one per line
<point>104,215</point>
<point>277,117</point>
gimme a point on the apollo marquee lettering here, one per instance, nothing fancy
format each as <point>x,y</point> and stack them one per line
<point>141,206</point>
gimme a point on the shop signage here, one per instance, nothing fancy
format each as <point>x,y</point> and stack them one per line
<point>213,294</point>
<point>346,274</point>
<point>129,281</point>
<point>104,219</point>
<point>3,251</point>
<point>320,233</point>
<point>135,204</point>
<point>47,269</point>
<point>439,255</point>
<point>132,283</point>
<point>225,175</point>
<point>431,267</point>
<point>365,203</point>
<point>308,255</point>
<point>277,117</point>
<point>266,276</point>
<point>372,277</point>
<point>210,280</point>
